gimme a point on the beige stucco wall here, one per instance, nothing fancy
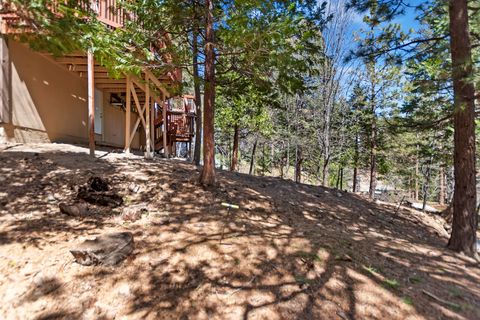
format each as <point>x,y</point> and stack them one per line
<point>49,104</point>
<point>114,126</point>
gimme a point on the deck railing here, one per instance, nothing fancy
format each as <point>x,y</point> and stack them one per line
<point>109,12</point>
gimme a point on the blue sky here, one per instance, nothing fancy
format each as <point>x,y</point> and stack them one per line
<point>407,21</point>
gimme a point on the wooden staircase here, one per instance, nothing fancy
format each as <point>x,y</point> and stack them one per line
<point>180,118</point>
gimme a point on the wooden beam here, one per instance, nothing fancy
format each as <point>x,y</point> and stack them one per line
<point>165,130</point>
<point>75,54</point>
<point>128,116</point>
<point>157,83</point>
<point>111,81</point>
<point>112,86</point>
<point>72,60</point>
<point>138,83</point>
<point>148,154</point>
<point>135,127</point>
<point>152,125</point>
<point>98,75</point>
<point>91,104</point>
<point>140,110</point>
<point>138,105</point>
<point>82,68</point>
<point>112,89</point>
<point>103,75</point>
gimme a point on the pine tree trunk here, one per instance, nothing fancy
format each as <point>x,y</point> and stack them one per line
<point>298,164</point>
<point>373,148</point>
<point>355,168</point>
<point>233,166</point>
<point>464,226</point>
<point>287,165</point>
<point>341,179</point>
<point>252,159</point>
<point>264,164</point>
<point>272,157</point>
<point>426,184</point>
<point>207,176</point>
<point>325,175</point>
<point>441,194</point>
<point>198,98</point>
<point>282,160</point>
<point>337,182</point>
<point>416,176</point>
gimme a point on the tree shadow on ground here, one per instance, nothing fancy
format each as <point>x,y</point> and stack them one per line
<point>316,253</point>
<point>33,186</point>
<point>291,251</point>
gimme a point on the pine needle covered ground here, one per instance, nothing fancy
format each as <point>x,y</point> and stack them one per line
<point>290,251</point>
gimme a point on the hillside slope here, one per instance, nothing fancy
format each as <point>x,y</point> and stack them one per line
<point>290,251</point>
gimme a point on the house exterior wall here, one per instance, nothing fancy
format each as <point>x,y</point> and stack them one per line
<point>48,102</point>
<point>114,126</point>
<point>43,102</point>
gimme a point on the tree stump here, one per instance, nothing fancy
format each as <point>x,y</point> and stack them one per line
<point>108,249</point>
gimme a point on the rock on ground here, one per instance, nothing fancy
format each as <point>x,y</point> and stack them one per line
<point>134,213</point>
<point>75,209</point>
<point>108,249</point>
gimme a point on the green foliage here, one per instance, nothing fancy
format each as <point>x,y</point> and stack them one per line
<point>408,300</point>
<point>371,270</point>
<point>391,283</point>
<point>60,27</point>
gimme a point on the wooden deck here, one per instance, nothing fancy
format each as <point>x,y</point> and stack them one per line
<point>180,118</point>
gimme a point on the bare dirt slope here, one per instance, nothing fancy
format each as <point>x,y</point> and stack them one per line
<point>290,252</point>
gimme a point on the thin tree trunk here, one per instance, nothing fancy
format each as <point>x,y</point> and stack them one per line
<point>355,179</point>
<point>325,175</point>
<point>441,194</point>
<point>287,166</point>
<point>337,182</point>
<point>207,176</point>
<point>341,179</point>
<point>282,160</point>
<point>373,162</point>
<point>298,164</point>
<point>464,226</point>
<point>198,97</point>
<point>355,168</point>
<point>416,176</point>
<point>373,146</point>
<point>317,175</point>
<point>264,164</point>
<point>252,159</point>
<point>236,130</point>
<point>328,97</point>
<point>272,155</point>
<point>426,184</point>
<point>373,134</point>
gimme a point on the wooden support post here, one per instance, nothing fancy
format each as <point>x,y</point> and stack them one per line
<point>128,110</point>
<point>148,153</point>
<point>91,103</point>
<point>152,126</point>
<point>165,129</point>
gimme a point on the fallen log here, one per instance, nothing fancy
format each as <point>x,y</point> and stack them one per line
<point>102,198</point>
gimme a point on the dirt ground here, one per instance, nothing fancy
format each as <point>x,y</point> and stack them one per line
<point>291,251</point>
